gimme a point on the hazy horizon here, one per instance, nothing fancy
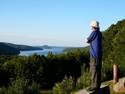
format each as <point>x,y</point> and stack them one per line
<point>55,23</point>
<point>41,45</point>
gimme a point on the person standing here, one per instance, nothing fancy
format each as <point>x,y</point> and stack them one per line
<point>95,41</point>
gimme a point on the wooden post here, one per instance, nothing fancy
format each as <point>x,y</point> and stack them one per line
<point>115,73</point>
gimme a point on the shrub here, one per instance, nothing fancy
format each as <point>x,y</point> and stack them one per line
<point>2,90</point>
<point>65,87</point>
<point>83,81</point>
<point>21,86</point>
<point>18,86</point>
<point>34,88</point>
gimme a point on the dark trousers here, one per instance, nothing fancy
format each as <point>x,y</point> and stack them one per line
<point>95,71</point>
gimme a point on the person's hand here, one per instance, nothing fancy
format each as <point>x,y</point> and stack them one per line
<point>87,41</point>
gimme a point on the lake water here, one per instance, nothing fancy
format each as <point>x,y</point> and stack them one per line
<point>55,50</point>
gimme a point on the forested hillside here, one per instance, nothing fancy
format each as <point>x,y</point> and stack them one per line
<point>114,43</point>
<point>23,47</point>
<point>14,49</point>
<point>7,50</point>
<point>114,47</point>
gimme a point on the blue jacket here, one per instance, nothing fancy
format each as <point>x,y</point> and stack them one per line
<point>95,40</point>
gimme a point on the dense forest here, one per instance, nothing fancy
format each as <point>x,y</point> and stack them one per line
<point>62,73</point>
<point>114,47</point>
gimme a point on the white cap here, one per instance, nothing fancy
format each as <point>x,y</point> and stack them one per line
<point>95,23</point>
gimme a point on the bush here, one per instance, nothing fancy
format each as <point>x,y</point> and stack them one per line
<point>2,90</point>
<point>34,88</point>
<point>21,86</point>
<point>107,71</point>
<point>65,87</point>
<point>18,86</point>
<point>83,81</point>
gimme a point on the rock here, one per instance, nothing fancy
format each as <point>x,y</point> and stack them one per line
<point>119,87</point>
<point>103,90</point>
<point>82,92</point>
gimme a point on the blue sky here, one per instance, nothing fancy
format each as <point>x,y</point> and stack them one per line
<point>55,22</point>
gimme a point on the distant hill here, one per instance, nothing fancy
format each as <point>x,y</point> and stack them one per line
<point>14,49</point>
<point>44,47</point>
<point>7,50</point>
<point>23,47</point>
<point>71,49</point>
